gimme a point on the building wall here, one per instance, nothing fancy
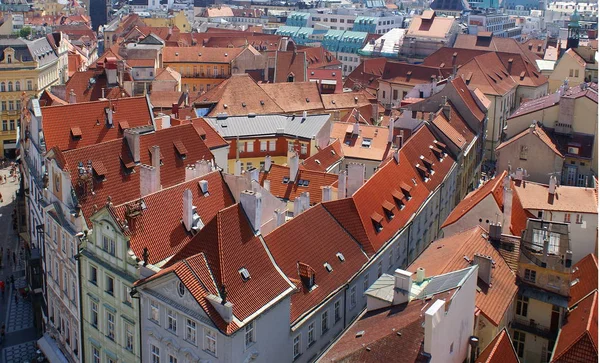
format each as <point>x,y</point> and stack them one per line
<point>538,159</point>
<point>482,214</point>
<point>567,68</point>
<point>536,347</point>
<point>279,155</point>
<point>200,76</point>
<point>124,272</point>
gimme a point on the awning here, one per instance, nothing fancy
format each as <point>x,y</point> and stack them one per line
<point>50,349</point>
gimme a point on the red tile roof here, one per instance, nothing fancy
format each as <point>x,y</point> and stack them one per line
<point>454,127</point>
<point>412,74</point>
<point>584,279</point>
<point>366,75</point>
<point>465,94</point>
<point>295,96</point>
<point>500,350</point>
<point>290,191</point>
<point>352,145</point>
<point>86,92</point>
<point>447,255</point>
<point>487,73</point>
<point>199,54</point>
<point>315,238</point>
<point>123,186</point>
<point>319,57</point>
<point>290,63</point>
<point>492,187</point>
<point>166,99</point>
<point>534,196</point>
<point>209,135</point>
<point>91,118</point>
<point>577,340</point>
<point>386,186</point>
<point>324,158</point>
<point>229,244</point>
<point>494,44</point>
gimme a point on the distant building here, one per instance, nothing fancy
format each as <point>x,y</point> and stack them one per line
<point>499,24</point>
<point>427,33</point>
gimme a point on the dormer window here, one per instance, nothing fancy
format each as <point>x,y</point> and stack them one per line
<point>405,190</point>
<point>291,77</point>
<point>328,267</point>
<point>76,133</point>
<point>398,198</point>
<point>181,150</point>
<point>340,257</point>
<point>9,58</point>
<point>244,274</point>
<point>377,220</point>
<point>307,275</point>
<point>388,209</point>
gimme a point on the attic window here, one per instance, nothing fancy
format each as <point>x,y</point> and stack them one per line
<point>181,150</point>
<point>366,143</point>
<point>243,104</point>
<point>318,161</point>
<point>307,100</point>
<point>377,219</point>
<point>262,103</point>
<point>423,171</point>
<point>398,198</point>
<point>303,182</point>
<point>99,169</point>
<point>405,190</point>
<point>388,208</point>
<point>522,75</point>
<point>76,133</point>
<point>340,257</point>
<point>468,78</point>
<point>244,274</point>
<point>328,267</point>
<point>286,179</point>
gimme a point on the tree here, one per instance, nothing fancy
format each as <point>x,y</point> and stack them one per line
<point>25,32</point>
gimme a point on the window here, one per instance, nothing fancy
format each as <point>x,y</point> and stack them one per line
<point>579,219</point>
<point>366,283</point>
<point>567,217</point>
<point>17,86</point>
<point>577,73</point>
<point>324,322</point>
<point>573,150</point>
<point>110,325</point>
<point>4,106</point>
<point>95,355</point>
<point>63,237</point>
<point>291,146</point>
<point>570,73</point>
<point>379,269</point>
<point>29,85</point>
<point>522,305</point>
<point>127,295</point>
<point>172,321</point>
<point>530,275</point>
<point>4,125</point>
<point>93,275</point>
<point>154,312</point>
<point>94,314</point>
<point>128,337</point>
<point>311,333</point>
<point>383,94</point>
<point>249,334</point>
<point>11,105</point>
<point>110,285</point>
<point>155,353</point>
<point>366,143</point>
<point>10,86</point>
<point>353,296</point>
<point>263,146</point>
<point>108,245</point>
<point>2,87</point>
<point>190,331</point>
<point>337,315</point>
<point>523,153</point>
<point>210,343</point>
<point>395,94</point>
<point>271,145</point>
<point>250,146</point>
<point>519,342</point>
<point>303,149</point>
<point>297,345</point>
<point>172,359</point>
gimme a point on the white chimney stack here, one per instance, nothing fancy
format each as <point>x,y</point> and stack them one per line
<point>253,174</point>
<point>237,171</point>
<point>165,121</point>
<point>355,129</point>
<point>552,185</point>
<point>267,185</point>
<point>342,178</point>
<point>279,217</point>
<point>251,202</point>
<point>420,275</point>
<point>72,97</point>
<point>148,180</point>
<point>133,141</point>
<point>484,267</point>
<point>356,177</point>
<point>267,162</point>
<point>402,286</point>
<point>188,212</point>
<point>156,163</point>
<point>391,131</point>
<point>294,164</point>
<point>327,193</point>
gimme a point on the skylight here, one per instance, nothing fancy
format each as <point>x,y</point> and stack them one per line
<point>340,257</point>
<point>244,274</point>
<point>328,267</point>
<point>366,143</point>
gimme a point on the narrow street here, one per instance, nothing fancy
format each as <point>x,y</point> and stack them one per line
<point>15,314</point>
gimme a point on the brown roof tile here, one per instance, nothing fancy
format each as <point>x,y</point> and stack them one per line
<point>352,145</point>
<point>290,191</point>
<point>325,158</point>
<point>199,54</point>
<point>290,63</point>
<point>577,340</point>
<point>500,350</point>
<point>584,279</point>
<point>568,199</point>
<point>537,131</point>
<point>295,96</point>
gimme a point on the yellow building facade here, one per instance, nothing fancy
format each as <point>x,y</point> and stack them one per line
<point>179,20</point>
<point>26,69</point>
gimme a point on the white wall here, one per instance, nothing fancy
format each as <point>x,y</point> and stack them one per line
<point>487,211</point>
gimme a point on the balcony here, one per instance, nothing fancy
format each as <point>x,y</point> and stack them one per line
<point>530,326</point>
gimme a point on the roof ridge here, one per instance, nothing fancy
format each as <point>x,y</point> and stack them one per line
<point>98,101</point>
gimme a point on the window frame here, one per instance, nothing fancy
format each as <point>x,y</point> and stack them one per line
<point>110,325</point>
<point>171,321</point>
<point>324,322</point>
<point>191,331</point>
<point>210,337</point>
<point>249,334</point>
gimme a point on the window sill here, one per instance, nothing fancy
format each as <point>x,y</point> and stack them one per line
<point>297,356</point>
<point>311,343</point>
<point>111,339</point>
<point>191,342</point>
<point>210,353</point>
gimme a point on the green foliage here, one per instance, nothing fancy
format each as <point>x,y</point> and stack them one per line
<point>25,32</point>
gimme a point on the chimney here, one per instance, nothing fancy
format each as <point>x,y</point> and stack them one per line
<point>391,131</point>
<point>175,110</point>
<point>279,217</point>
<point>148,180</point>
<point>133,141</point>
<point>156,162</point>
<point>402,286</point>
<point>237,168</point>
<point>253,174</point>
<point>342,178</point>
<point>355,129</point>
<point>203,167</point>
<point>420,275</point>
<point>356,177</point>
<point>454,65</point>
<point>267,185</point>
<point>375,111</point>
<point>188,212</point>
<point>294,164</point>
<point>552,185</point>
<point>251,202</point>
<point>165,121</point>
<point>72,97</point>
<point>109,116</point>
<point>510,63</point>
<point>301,203</point>
<point>495,231</point>
<point>484,270</point>
<point>267,162</point>
<point>433,318</point>
<point>190,172</point>
<point>532,127</point>
<point>327,193</point>
<point>396,155</point>
<point>431,115</point>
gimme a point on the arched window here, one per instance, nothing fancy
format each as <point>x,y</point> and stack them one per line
<point>9,58</point>
<point>17,86</point>
<point>10,86</point>
<point>2,87</point>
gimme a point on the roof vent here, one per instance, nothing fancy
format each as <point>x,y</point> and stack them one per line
<point>360,334</point>
<point>262,103</point>
<point>225,105</point>
<point>244,274</point>
<point>176,54</point>
<point>328,267</point>
<point>340,257</point>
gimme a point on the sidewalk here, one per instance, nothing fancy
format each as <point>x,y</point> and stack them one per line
<point>21,336</point>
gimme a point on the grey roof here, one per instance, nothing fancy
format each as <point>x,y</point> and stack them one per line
<point>28,50</point>
<point>244,126</point>
<point>382,288</point>
<point>445,282</point>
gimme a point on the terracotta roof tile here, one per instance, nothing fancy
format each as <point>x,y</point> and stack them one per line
<point>430,26</point>
<point>319,57</point>
<point>86,92</point>
<point>325,158</point>
<point>209,135</point>
<point>447,255</point>
<point>315,238</point>
<point>295,96</point>
<point>577,340</point>
<point>537,131</point>
<point>159,227</point>
<point>495,44</point>
<point>91,118</point>
<point>568,199</point>
<point>366,75</point>
<point>166,99</point>
<point>500,350</point>
<point>412,74</point>
<point>352,145</point>
<point>584,279</point>
<point>491,187</point>
<point>290,191</point>
<point>199,55</point>
<point>229,245</point>
<point>465,94</point>
<point>290,63</point>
